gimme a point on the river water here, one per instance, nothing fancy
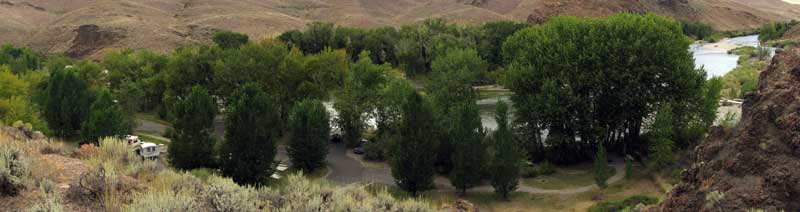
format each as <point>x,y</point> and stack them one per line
<point>714,57</point>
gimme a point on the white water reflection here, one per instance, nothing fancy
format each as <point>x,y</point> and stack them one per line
<point>715,58</point>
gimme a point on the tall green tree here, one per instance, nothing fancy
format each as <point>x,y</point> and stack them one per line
<point>412,157</point>
<point>357,100</point>
<point>469,151</point>
<point>251,128</point>
<point>230,40</point>
<point>601,173</point>
<point>493,34</point>
<point>193,143</point>
<point>450,86</point>
<point>106,118</point>
<point>661,138</point>
<point>508,155</point>
<point>67,102</point>
<point>310,128</point>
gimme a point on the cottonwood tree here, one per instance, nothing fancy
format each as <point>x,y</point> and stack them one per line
<point>613,80</point>
<point>413,155</point>
<point>450,86</point>
<point>251,128</point>
<point>508,155</point>
<point>105,119</point>
<point>310,129</point>
<point>357,99</point>
<point>193,142</point>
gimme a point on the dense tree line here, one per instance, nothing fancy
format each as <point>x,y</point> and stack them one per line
<point>772,31</point>
<point>696,29</point>
<point>579,83</point>
<point>412,48</point>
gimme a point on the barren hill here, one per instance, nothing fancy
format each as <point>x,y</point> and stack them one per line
<point>86,27</point>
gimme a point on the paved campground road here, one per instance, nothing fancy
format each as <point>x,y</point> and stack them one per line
<point>344,169</point>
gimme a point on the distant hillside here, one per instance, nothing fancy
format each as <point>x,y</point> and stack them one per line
<point>86,27</point>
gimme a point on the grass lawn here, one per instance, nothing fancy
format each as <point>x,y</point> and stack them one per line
<point>152,118</point>
<point>149,137</point>
<point>640,184</point>
<point>570,177</point>
<point>485,94</point>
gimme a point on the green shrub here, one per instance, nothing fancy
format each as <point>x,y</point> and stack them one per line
<point>529,171</point>
<point>713,198</point>
<point>164,202</point>
<point>714,38</point>
<point>628,168</point>
<point>224,195</point>
<point>117,150</point>
<point>14,171</point>
<point>50,200</point>
<point>626,204</point>
<point>376,150</point>
<point>546,168</point>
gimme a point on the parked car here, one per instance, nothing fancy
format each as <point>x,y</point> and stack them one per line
<point>358,150</point>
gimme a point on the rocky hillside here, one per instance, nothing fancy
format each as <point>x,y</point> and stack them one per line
<point>756,165</point>
<point>87,27</point>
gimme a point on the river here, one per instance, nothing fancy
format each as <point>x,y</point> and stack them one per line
<point>714,57</point>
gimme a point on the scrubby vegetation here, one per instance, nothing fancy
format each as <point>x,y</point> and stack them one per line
<point>13,170</point>
<point>697,30</point>
<point>118,180</point>
<point>744,78</point>
<point>628,204</point>
<point>772,31</point>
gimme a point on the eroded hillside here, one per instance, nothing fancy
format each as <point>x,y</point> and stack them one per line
<point>756,165</point>
<point>87,27</point>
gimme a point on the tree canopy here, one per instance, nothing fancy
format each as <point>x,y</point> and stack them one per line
<point>309,125</point>
<point>251,130</point>
<point>593,80</point>
<point>193,144</point>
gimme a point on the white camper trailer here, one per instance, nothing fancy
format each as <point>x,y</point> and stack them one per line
<point>146,150</point>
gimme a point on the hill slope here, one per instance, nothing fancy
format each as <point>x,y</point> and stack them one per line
<point>55,26</point>
<point>755,165</point>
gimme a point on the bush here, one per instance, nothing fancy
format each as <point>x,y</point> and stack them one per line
<point>49,147</point>
<point>50,201</point>
<point>87,151</point>
<point>224,195</point>
<point>103,185</point>
<point>529,171</point>
<point>546,168</point>
<point>169,133</point>
<point>376,150</point>
<point>112,149</point>
<point>13,170</point>
<point>624,205</point>
<point>164,202</point>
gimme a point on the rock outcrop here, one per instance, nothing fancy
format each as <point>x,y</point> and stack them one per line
<point>91,38</point>
<point>755,165</point>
